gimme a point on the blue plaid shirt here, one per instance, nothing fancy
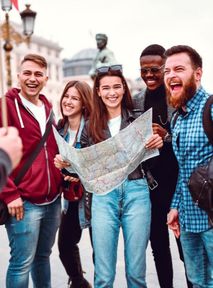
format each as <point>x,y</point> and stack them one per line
<point>192,148</point>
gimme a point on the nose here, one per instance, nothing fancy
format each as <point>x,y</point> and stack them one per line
<point>170,73</point>
<point>69,100</point>
<point>149,72</point>
<point>111,91</point>
<point>32,77</point>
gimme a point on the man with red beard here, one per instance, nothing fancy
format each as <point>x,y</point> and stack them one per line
<point>182,76</point>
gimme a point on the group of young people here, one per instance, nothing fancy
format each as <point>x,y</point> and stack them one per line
<point>90,117</point>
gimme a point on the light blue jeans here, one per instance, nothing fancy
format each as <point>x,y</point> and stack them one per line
<point>128,207</point>
<point>31,241</point>
<point>198,257</point>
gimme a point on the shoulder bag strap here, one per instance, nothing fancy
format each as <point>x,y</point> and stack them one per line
<point>32,157</point>
<point>207,119</point>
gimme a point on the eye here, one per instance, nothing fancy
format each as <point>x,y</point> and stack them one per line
<point>39,74</point>
<point>179,69</point>
<point>26,73</point>
<point>76,98</point>
<point>105,88</point>
<point>166,71</point>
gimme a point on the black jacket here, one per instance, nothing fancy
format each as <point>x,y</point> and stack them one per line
<point>165,167</point>
<point>5,167</point>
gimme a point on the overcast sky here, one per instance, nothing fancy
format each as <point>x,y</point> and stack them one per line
<point>131,25</point>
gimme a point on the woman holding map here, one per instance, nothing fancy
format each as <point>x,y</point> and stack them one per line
<point>127,206</point>
<point>75,106</point>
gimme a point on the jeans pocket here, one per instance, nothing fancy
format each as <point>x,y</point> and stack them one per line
<point>20,227</point>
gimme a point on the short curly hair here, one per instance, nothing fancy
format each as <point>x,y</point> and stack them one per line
<point>153,49</point>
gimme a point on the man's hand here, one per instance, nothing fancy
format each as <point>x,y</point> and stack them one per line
<point>16,208</point>
<point>11,143</point>
<point>173,222</point>
<point>157,129</point>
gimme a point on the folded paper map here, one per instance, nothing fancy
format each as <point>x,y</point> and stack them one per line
<point>105,165</point>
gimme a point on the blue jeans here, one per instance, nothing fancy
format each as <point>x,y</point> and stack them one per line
<point>31,241</point>
<point>127,206</point>
<point>198,257</point>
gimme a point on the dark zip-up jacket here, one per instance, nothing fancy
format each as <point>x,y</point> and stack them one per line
<point>5,167</point>
<point>41,183</point>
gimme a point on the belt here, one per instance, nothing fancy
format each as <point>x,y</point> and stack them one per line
<point>152,183</point>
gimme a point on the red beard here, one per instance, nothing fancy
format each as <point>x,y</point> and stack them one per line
<point>189,91</point>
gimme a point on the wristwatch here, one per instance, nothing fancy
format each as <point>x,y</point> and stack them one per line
<point>167,137</point>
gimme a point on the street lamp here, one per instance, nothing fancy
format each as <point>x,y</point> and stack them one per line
<point>8,33</point>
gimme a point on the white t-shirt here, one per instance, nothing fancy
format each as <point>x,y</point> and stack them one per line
<point>72,134</point>
<point>37,111</point>
<point>114,125</point>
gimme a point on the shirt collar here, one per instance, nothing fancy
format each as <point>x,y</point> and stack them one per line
<point>195,100</point>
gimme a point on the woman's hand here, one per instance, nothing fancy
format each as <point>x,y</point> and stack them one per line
<point>70,178</point>
<point>60,163</point>
<point>154,142</point>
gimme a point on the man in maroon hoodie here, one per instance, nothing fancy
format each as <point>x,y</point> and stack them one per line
<point>34,204</point>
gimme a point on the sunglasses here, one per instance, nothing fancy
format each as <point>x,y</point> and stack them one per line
<point>106,69</point>
<point>153,70</point>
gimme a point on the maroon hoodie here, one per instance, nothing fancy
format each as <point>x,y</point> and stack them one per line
<point>41,183</point>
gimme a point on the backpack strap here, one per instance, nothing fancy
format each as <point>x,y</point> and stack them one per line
<point>207,119</point>
<point>34,154</point>
<point>174,118</point>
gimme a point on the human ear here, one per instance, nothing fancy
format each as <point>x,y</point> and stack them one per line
<point>98,92</point>
<point>198,74</point>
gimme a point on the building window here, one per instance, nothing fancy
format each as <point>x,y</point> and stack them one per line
<point>49,71</point>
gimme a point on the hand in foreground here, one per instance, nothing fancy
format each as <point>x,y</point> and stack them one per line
<point>60,163</point>
<point>16,208</point>
<point>11,143</point>
<point>154,142</point>
<point>173,222</point>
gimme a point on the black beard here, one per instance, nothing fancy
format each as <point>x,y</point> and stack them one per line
<point>188,92</point>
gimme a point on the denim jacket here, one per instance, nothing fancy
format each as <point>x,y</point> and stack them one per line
<point>83,219</point>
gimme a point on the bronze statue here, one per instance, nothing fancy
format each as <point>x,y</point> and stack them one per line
<point>104,55</point>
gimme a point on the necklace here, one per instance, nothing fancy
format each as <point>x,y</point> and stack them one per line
<point>161,121</point>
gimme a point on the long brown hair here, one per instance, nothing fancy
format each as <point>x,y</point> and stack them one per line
<point>99,116</point>
<point>85,91</point>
